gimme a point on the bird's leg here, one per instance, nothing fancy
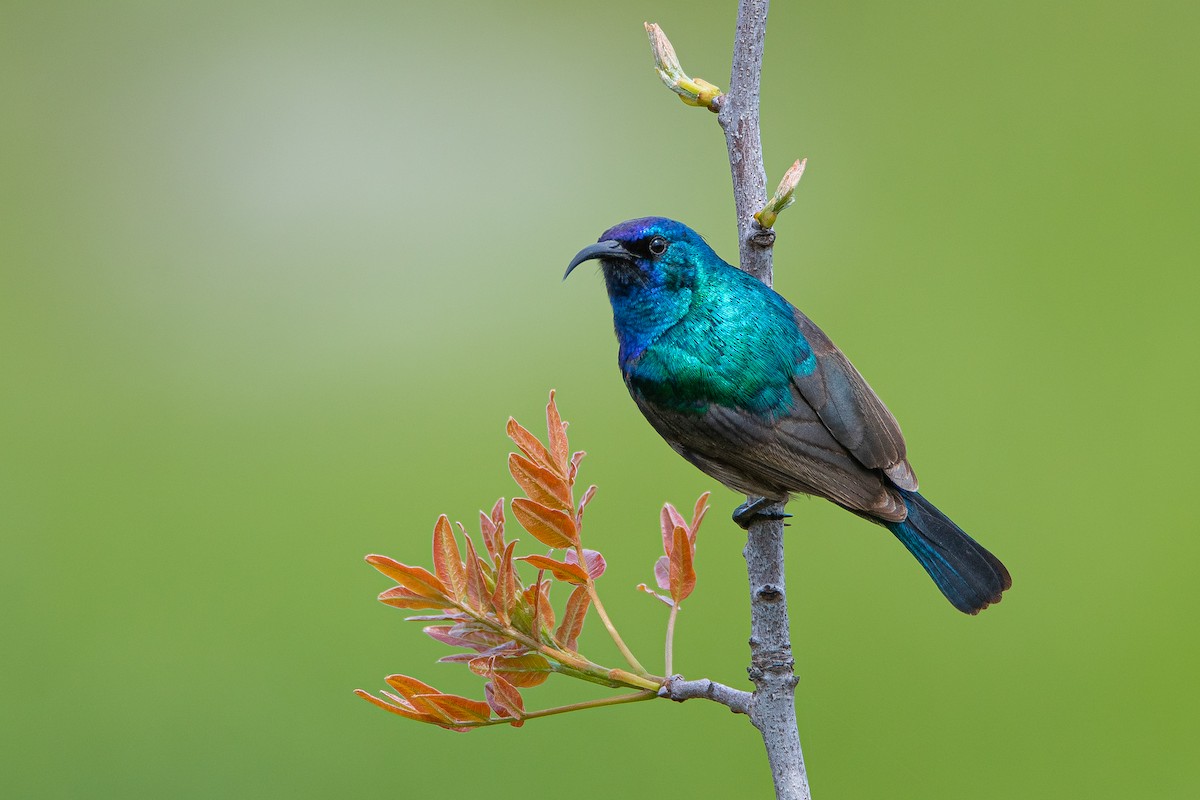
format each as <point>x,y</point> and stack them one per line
<point>751,510</point>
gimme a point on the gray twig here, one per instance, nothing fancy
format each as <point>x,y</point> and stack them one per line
<point>677,689</point>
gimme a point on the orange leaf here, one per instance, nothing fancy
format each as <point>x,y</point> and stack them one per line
<point>573,617</point>
<point>456,709</point>
<point>447,563</point>
<point>492,528</point>
<point>683,576</point>
<point>568,573</point>
<point>419,581</point>
<point>408,686</point>
<point>540,485</point>
<point>505,699</point>
<point>557,430</point>
<point>531,447</point>
<point>402,710</point>
<point>400,597</point>
<point>477,593</point>
<point>551,527</point>
<point>504,599</point>
<point>530,669</point>
<point>544,614</point>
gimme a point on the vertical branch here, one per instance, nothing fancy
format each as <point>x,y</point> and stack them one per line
<point>739,117</point>
<point>773,707</point>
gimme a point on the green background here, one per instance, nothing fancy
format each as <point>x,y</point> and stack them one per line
<point>273,276</point>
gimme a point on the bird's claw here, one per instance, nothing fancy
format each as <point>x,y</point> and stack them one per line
<point>752,510</point>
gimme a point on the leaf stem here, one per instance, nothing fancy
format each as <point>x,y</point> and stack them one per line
<point>671,638</point>
<point>630,658</point>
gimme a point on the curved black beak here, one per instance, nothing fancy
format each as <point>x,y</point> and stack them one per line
<point>606,249</point>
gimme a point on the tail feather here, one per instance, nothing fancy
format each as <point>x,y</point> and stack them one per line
<point>969,576</point>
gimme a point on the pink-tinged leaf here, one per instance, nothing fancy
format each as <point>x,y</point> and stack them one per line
<point>504,599</point>
<point>662,573</point>
<point>456,709</point>
<point>488,530</point>
<point>557,430</point>
<point>453,616</point>
<point>698,515</point>
<point>641,587</point>
<point>400,597</point>
<point>573,617</point>
<point>568,573</point>
<point>531,447</point>
<point>505,700</point>
<point>543,613</point>
<point>573,470</point>
<point>522,671</point>
<point>447,563</point>
<point>415,579</point>
<point>683,576</point>
<point>478,596</point>
<point>593,561</point>
<point>670,519</point>
<point>583,503</point>
<point>549,526</point>
<point>403,710</point>
<point>466,635</point>
<point>540,484</point>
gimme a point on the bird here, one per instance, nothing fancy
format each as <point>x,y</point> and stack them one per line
<point>744,386</point>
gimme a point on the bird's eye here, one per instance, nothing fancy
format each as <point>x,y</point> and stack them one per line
<point>657,246</point>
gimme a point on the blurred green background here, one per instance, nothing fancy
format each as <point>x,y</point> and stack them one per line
<point>273,276</point>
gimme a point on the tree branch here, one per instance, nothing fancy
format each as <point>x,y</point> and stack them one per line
<point>677,689</point>
<point>773,705</point>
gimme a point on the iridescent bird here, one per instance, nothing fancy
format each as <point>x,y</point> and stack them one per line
<point>747,388</point>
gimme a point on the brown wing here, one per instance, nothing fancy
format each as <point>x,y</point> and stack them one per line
<point>854,414</point>
<point>775,457</point>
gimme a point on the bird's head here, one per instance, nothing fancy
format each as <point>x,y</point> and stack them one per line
<point>652,268</point>
<point>651,253</point>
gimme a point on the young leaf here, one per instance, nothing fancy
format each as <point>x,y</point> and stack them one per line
<point>532,448</point>
<point>698,515</point>
<point>447,563</point>
<point>477,592</point>
<point>400,597</point>
<point>504,599</point>
<point>557,430</point>
<point>683,576</point>
<point>551,527</point>
<point>505,700</point>
<point>466,635</point>
<point>573,470</point>
<point>523,671</point>
<point>455,709</point>
<point>417,580</point>
<point>403,709</point>
<point>670,519</point>
<point>543,614</point>
<point>594,563</point>
<point>583,503</point>
<point>662,573</point>
<point>573,617</point>
<point>540,484</point>
<point>566,572</point>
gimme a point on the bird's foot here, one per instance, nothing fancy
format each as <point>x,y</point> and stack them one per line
<point>753,510</point>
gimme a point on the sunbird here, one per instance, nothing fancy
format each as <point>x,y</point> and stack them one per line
<point>747,388</point>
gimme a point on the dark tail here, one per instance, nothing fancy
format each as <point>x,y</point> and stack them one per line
<point>969,576</point>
